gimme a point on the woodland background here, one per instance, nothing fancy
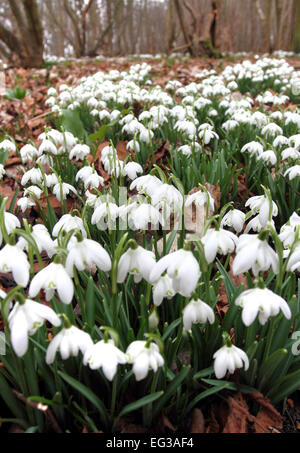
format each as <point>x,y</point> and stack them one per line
<point>31,29</point>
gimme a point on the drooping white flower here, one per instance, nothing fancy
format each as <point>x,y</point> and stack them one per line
<point>168,198</point>
<point>218,241</point>
<point>83,254</point>
<point>268,157</point>
<point>25,319</point>
<point>42,238</point>
<point>137,262</point>
<point>290,153</point>
<point>29,153</point>
<point>207,135</point>
<point>53,277</point>
<point>8,145</point>
<point>13,259</point>
<point>195,312</point>
<point>146,184</point>
<point>288,231</point>
<point>254,253</point>
<point>67,223</point>
<point>182,267</point>
<point>293,263</point>
<point>11,222</point>
<point>104,355</point>
<point>292,172</point>
<point>229,358</point>
<point>200,198</point>
<point>132,169</point>
<point>235,219</point>
<point>260,204</point>
<point>63,189</point>
<point>79,152</point>
<point>261,302</point>
<point>105,216</point>
<point>140,216</point>
<point>34,175</point>
<point>253,148</point>
<point>162,289</point>
<point>47,146</point>
<point>2,171</point>
<point>144,357</point>
<point>69,341</point>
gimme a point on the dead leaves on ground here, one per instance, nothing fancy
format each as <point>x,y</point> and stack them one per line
<point>236,415</point>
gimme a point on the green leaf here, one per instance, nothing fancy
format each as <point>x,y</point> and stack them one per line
<point>140,403</point>
<point>71,122</point>
<point>88,394</point>
<point>171,389</point>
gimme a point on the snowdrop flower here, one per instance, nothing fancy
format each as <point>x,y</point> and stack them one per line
<point>11,222</point>
<point>144,357</point>
<point>67,223</point>
<point>137,262</point>
<point>195,312</point>
<point>93,181</point>
<point>25,319</point>
<point>79,152</point>
<point>280,140</point>
<point>182,267</point>
<point>53,277</point>
<point>163,288</point>
<point>253,148</point>
<point>260,204</point>
<point>200,198</point>
<point>28,153</point>
<point>83,254</point>
<point>269,157</point>
<point>218,241</point>
<point>63,189</point>
<point>230,125</point>
<point>2,171</point>
<point>207,135</point>
<point>228,358</point>
<point>143,214</point>
<point>146,135</point>
<point>13,259</point>
<point>34,175</point>
<point>261,302</point>
<point>271,129</point>
<point>146,184</point>
<point>132,169</point>
<point>42,239</point>
<point>255,225</point>
<point>8,145</point>
<point>288,231</point>
<point>167,197</point>
<point>51,180</point>
<point>252,252</point>
<point>24,203</point>
<point>235,219</point>
<point>104,355</point>
<point>134,145</point>
<point>293,172</point>
<point>69,341</point>
<point>105,216</point>
<point>290,153</point>
<point>47,146</point>
<point>294,260</point>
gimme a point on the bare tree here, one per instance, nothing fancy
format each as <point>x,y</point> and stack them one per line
<point>23,46</point>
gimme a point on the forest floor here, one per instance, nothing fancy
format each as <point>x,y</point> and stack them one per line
<point>25,119</point>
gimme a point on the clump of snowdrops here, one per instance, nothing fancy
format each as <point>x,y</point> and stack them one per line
<point>113,309</point>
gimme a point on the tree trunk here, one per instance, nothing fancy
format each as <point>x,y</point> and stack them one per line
<point>26,48</point>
